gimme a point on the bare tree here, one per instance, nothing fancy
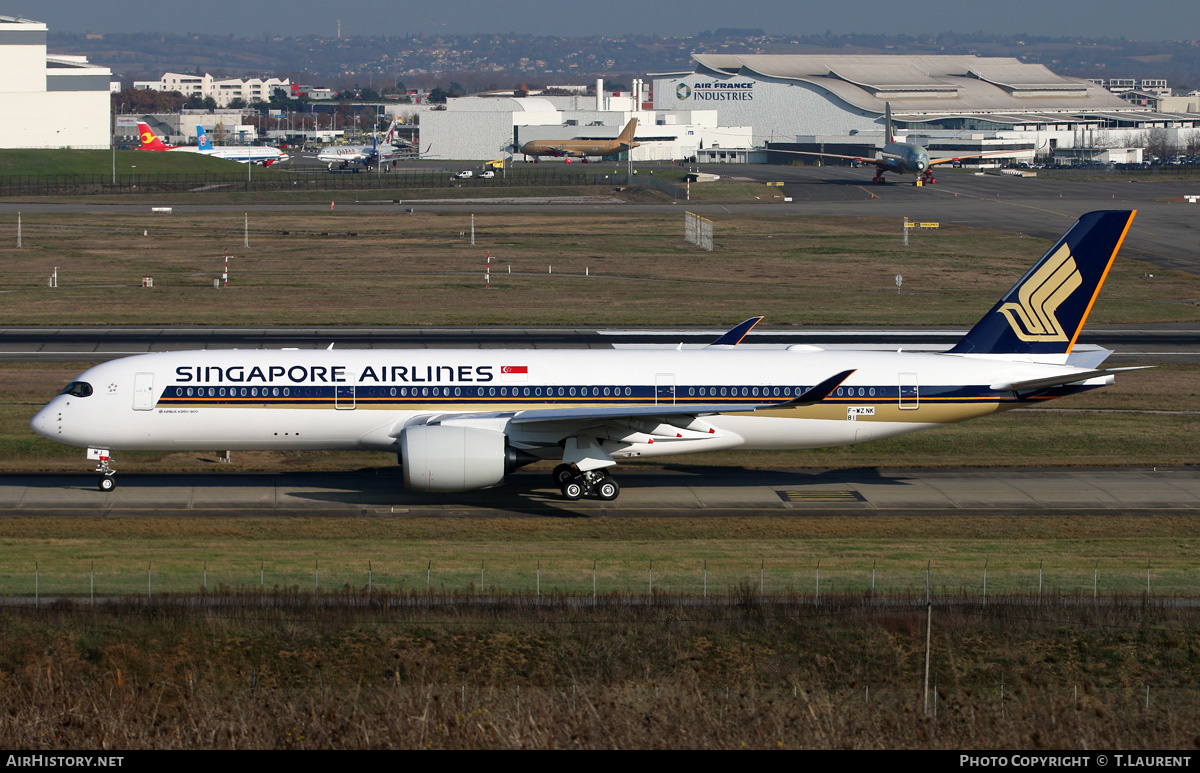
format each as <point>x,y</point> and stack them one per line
<point>1157,142</point>
<point>1191,145</point>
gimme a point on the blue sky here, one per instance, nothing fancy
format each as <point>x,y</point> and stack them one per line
<point>1146,19</point>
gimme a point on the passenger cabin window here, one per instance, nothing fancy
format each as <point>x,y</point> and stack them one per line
<point>78,389</point>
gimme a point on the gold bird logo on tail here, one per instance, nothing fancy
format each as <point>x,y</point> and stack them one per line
<point>1033,319</point>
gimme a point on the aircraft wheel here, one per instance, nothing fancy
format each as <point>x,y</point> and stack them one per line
<point>572,490</point>
<point>607,489</point>
<point>107,483</point>
<point>563,473</point>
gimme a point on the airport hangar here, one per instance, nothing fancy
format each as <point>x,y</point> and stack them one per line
<point>951,104</point>
<point>489,127</point>
<point>49,101</point>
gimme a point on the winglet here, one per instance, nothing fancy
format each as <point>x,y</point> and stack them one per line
<point>817,393</point>
<point>736,334</point>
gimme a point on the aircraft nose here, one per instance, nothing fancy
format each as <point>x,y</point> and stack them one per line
<point>45,421</point>
<point>48,421</point>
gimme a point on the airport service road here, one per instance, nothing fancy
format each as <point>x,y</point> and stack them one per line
<point>679,492</point>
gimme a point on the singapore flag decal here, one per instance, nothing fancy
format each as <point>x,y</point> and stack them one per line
<point>514,373</point>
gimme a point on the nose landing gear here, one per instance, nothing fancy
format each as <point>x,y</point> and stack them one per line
<point>108,479</point>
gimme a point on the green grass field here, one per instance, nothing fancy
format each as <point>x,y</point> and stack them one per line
<point>387,267</point>
<point>631,556</point>
<point>43,163</point>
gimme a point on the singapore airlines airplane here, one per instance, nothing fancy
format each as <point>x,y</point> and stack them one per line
<point>461,419</point>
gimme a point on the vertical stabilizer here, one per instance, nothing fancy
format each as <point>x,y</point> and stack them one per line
<point>150,140</point>
<point>1045,311</point>
<point>628,133</point>
<point>887,122</point>
<point>202,138</point>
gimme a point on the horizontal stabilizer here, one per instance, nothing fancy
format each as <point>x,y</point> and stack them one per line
<point>1035,384</point>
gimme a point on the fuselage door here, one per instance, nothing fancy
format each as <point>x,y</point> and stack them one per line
<point>343,397</point>
<point>910,392</point>
<point>143,391</point>
<point>664,388</point>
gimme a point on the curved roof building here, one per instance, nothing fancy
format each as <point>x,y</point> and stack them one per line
<point>782,96</point>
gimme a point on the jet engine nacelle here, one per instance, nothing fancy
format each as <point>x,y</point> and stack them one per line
<point>449,458</point>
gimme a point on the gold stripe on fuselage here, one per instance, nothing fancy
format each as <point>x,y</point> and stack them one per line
<point>931,410</point>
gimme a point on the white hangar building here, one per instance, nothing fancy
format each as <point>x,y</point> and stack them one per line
<point>481,128</point>
<point>827,98</point>
<point>49,101</point>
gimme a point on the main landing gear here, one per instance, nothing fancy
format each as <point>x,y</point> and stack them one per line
<point>927,177</point>
<point>597,484</point>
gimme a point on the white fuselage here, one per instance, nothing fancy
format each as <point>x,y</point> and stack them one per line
<point>249,154</point>
<point>362,399</point>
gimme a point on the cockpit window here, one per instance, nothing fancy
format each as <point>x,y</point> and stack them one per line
<point>78,389</point>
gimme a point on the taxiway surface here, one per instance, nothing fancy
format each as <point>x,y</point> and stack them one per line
<point>673,492</point>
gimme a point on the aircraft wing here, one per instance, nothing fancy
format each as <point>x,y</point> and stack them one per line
<point>934,161</point>
<point>860,159</point>
<point>601,415</point>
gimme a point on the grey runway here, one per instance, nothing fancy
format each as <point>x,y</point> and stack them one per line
<point>673,492</point>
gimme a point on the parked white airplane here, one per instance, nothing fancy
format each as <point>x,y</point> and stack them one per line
<point>265,155</point>
<point>461,419</point>
<point>366,155</point>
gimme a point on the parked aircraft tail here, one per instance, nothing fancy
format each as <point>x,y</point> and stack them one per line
<point>887,122</point>
<point>626,137</point>
<point>150,140</point>
<point>1045,311</point>
<point>202,138</point>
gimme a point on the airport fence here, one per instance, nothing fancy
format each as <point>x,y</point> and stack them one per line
<point>662,582</point>
<point>256,180</point>
<point>647,181</point>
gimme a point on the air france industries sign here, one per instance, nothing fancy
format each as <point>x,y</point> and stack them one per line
<point>719,91</point>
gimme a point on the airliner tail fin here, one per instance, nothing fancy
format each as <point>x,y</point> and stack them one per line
<point>150,140</point>
<point>1045,311</point>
